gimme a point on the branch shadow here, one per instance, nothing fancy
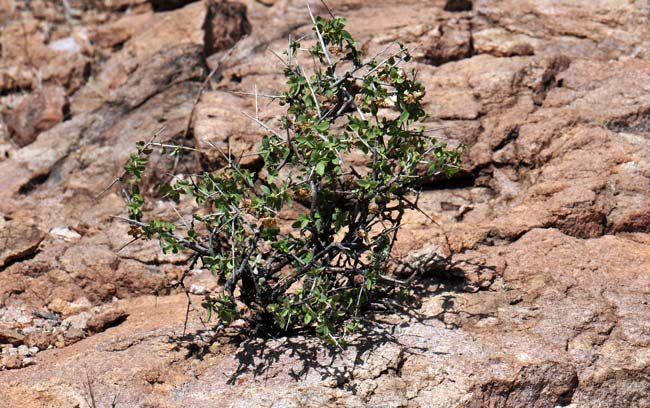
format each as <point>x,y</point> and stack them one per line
<point>258,357</point>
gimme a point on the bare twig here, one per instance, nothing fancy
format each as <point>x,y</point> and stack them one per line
<point>259,94</point>
<point>91,394</point>
<point>262,124</point>
<point>320,37</point>
<point>327,8</point>
<point>313,94</point>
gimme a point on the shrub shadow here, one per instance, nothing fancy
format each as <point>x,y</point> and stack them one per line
<point>259,356</point>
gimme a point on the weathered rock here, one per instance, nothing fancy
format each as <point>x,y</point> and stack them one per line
<point>226,23</point>
<point>150,62</point>
<point>39,339</point>
<point>502,43</point>
<point>18,240</point>
<point>215,124</point>
<point>546,228</point>
<point>40,111</point>
<point>8,336</point>
<point>65,233</point>
<point>106,319</point>
<point>451,42</point>
<point>66,309</point>
<point>12,362</point>
<point>603,31</point>
<point>122,4</point>
<point>535,386</point>
<point>114,34</point>
<point>73,335</point>
<point>31,57</point>
<point>79,321</point>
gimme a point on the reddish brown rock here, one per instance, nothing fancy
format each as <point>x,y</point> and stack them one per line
<point>149,62</point>
<point>18,240</point>
<point>535,386</point>
<point>33,56</point>
<point>40,111</point>
<point>106,319</point>
<point>544,301</point>
<point>40,339</point>
<point>215,125</point>
<point>8,336</point>
<point>603,31</point>
<point>12,362</point>
<point>451,42</point>
<point>114,34</point>
<point>225,24</point>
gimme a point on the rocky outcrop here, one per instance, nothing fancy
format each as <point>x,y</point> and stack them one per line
<point>543,300</point>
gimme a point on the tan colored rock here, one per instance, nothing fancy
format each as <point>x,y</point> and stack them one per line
<point>18,240</point>
<point>40,111</point>
<point>39,339</point>
<point>66,309</point>
<point>73,335</point>
<point>106,319</point>
<point>32,58</point>
<point>451,42</point>
<point>544,302</point>
<point>12,362</point>
<point>120,4</point>
<point>7,7</point>
<point>220,120</point>
<point>603,31</point>
<point>116,33</point>
<point>137,71</point>
<point>8,336</point>
<point>49,11</point>
<point>502,43</point>
<point>226,24</point>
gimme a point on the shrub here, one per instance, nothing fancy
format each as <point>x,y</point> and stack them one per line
<point>320,272</point>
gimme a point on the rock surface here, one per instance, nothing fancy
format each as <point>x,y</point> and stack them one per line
<point>546,299</point>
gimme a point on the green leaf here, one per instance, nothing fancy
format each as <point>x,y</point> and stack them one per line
<point>320,168</point>
<point>322,126</point>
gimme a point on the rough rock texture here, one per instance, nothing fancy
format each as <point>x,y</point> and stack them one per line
<point>38,112</point>
<point>545,300</point>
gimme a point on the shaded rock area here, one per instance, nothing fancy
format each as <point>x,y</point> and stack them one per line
<point>544,301</point>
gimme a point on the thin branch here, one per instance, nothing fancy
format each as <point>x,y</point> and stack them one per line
<point>262,124</point>
<point>313,94</point>
<point>172,146</point>
<point>327,8</point>
<point>195,247</point>
<point>257,108</point>
<point>320,37</point>
<point>259,94</point>
<point>279,57</point>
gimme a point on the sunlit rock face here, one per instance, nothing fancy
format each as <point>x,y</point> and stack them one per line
<point>543,300</point>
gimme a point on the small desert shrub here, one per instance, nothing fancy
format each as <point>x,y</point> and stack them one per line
<point>318,273</point>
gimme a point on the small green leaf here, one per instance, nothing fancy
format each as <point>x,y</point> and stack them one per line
<point>320,168</point>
